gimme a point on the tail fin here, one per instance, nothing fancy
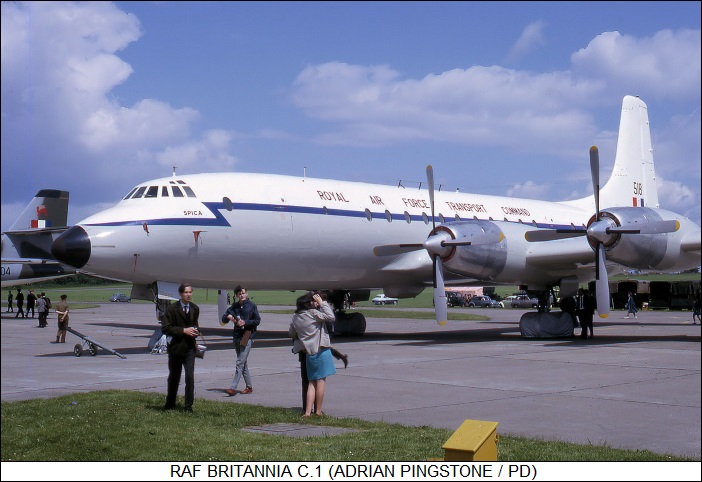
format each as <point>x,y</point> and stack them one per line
<point>633,180</point>
<point>48,209</point>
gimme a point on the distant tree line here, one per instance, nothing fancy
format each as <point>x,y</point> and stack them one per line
<point>78,279</point>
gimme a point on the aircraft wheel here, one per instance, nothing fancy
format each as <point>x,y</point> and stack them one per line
<point>77,350</point>
<point>93,350</point>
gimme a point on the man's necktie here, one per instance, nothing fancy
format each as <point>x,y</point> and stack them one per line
<point>187,308</point>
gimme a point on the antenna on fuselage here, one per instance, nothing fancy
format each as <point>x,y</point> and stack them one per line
<point>304,171</point>
<point>174,169</point>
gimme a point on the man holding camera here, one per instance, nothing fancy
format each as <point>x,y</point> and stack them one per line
<point>244,315</point>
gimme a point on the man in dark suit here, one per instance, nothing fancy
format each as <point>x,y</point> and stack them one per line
<point>180,325</point>
<point>585,311</point>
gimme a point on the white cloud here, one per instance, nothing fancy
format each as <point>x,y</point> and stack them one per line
<point>60,66</point>
<point>675,196</point>
<point>206,154</point>
<point>478,105</point>
<point>531,37</point>
<point>665,65</point>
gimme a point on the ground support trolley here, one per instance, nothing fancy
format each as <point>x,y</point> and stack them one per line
<point>91,344</point>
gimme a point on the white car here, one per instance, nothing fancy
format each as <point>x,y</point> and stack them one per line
<point>381,299</point>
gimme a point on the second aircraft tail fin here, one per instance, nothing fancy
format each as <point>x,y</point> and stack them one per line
<point>48,209</point>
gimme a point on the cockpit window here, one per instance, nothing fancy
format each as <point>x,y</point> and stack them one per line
<point>130,194</point>
<point>152,192</point>
<point>189,191</point>
<point>139,192</point>
<point>164,191</point>
<point>176,191</point>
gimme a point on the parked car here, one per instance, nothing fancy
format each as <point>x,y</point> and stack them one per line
<point>454,299</point>
<point>381,299</point>
<point>484,302</point>
<point>120,297</point>
<point>524,301</point>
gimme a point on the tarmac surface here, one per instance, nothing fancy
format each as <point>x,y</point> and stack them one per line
<point>635,385</point>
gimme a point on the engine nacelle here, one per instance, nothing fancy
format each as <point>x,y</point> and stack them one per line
<point>485,258</point>
<point>659,251</point>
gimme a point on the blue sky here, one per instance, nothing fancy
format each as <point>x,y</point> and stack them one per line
<point>501,98</point>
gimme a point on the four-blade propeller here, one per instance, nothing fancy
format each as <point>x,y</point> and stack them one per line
<point>600,233</point>
<point>439,245</point>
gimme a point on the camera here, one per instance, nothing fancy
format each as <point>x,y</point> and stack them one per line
<point>322,295</point>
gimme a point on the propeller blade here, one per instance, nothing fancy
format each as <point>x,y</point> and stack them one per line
<point>459,243</point>
<point>595,171</point>
<point>439,292</point>
<point>552,234</point>
<point>601,283</point>
<point>430,184</point>
<point>651,227</point>
<point>395,249</point>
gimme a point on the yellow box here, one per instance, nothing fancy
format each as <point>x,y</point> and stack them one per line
<point>475,440</point>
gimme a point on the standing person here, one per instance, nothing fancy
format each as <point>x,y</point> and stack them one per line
<point>180,325</point>
<point>10,309</point>
<point>31,301</point>
<point>308,329</point>
<point>62,312</point>
<point>569,305</point>
<point>631,305</point>
<point>42,310</point>
<point>585,311</point>
<point>244,315</point>
<point>19,299</point>
<point>696,309</point>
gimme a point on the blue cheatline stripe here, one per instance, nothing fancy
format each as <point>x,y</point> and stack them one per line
<point>219,220</point>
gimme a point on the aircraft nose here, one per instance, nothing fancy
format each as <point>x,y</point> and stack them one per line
<point>72,247</point>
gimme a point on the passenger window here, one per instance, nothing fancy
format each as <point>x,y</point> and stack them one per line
<point>189,191</point>
<point>227,203</point>
<point>458,218</point>
<point>177,192</point>
<point>369,215</point>
<point>425,218</point>
<point>152,192</point>
<point>441,218</point>
<point>164,191</point>
<point>139,192</point>
<point>388,216</point>
<point>130,194</point>
<point>408,218</point>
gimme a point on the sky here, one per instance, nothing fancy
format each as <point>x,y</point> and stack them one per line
<point>501,98</point>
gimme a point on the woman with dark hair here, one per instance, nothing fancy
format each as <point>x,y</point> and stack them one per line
<point>308,329</point>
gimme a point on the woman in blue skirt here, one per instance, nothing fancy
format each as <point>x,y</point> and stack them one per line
<point>309,332</point>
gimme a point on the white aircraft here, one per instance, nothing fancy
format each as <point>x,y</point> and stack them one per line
<point>296,233</point>
<point>26,247</point>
